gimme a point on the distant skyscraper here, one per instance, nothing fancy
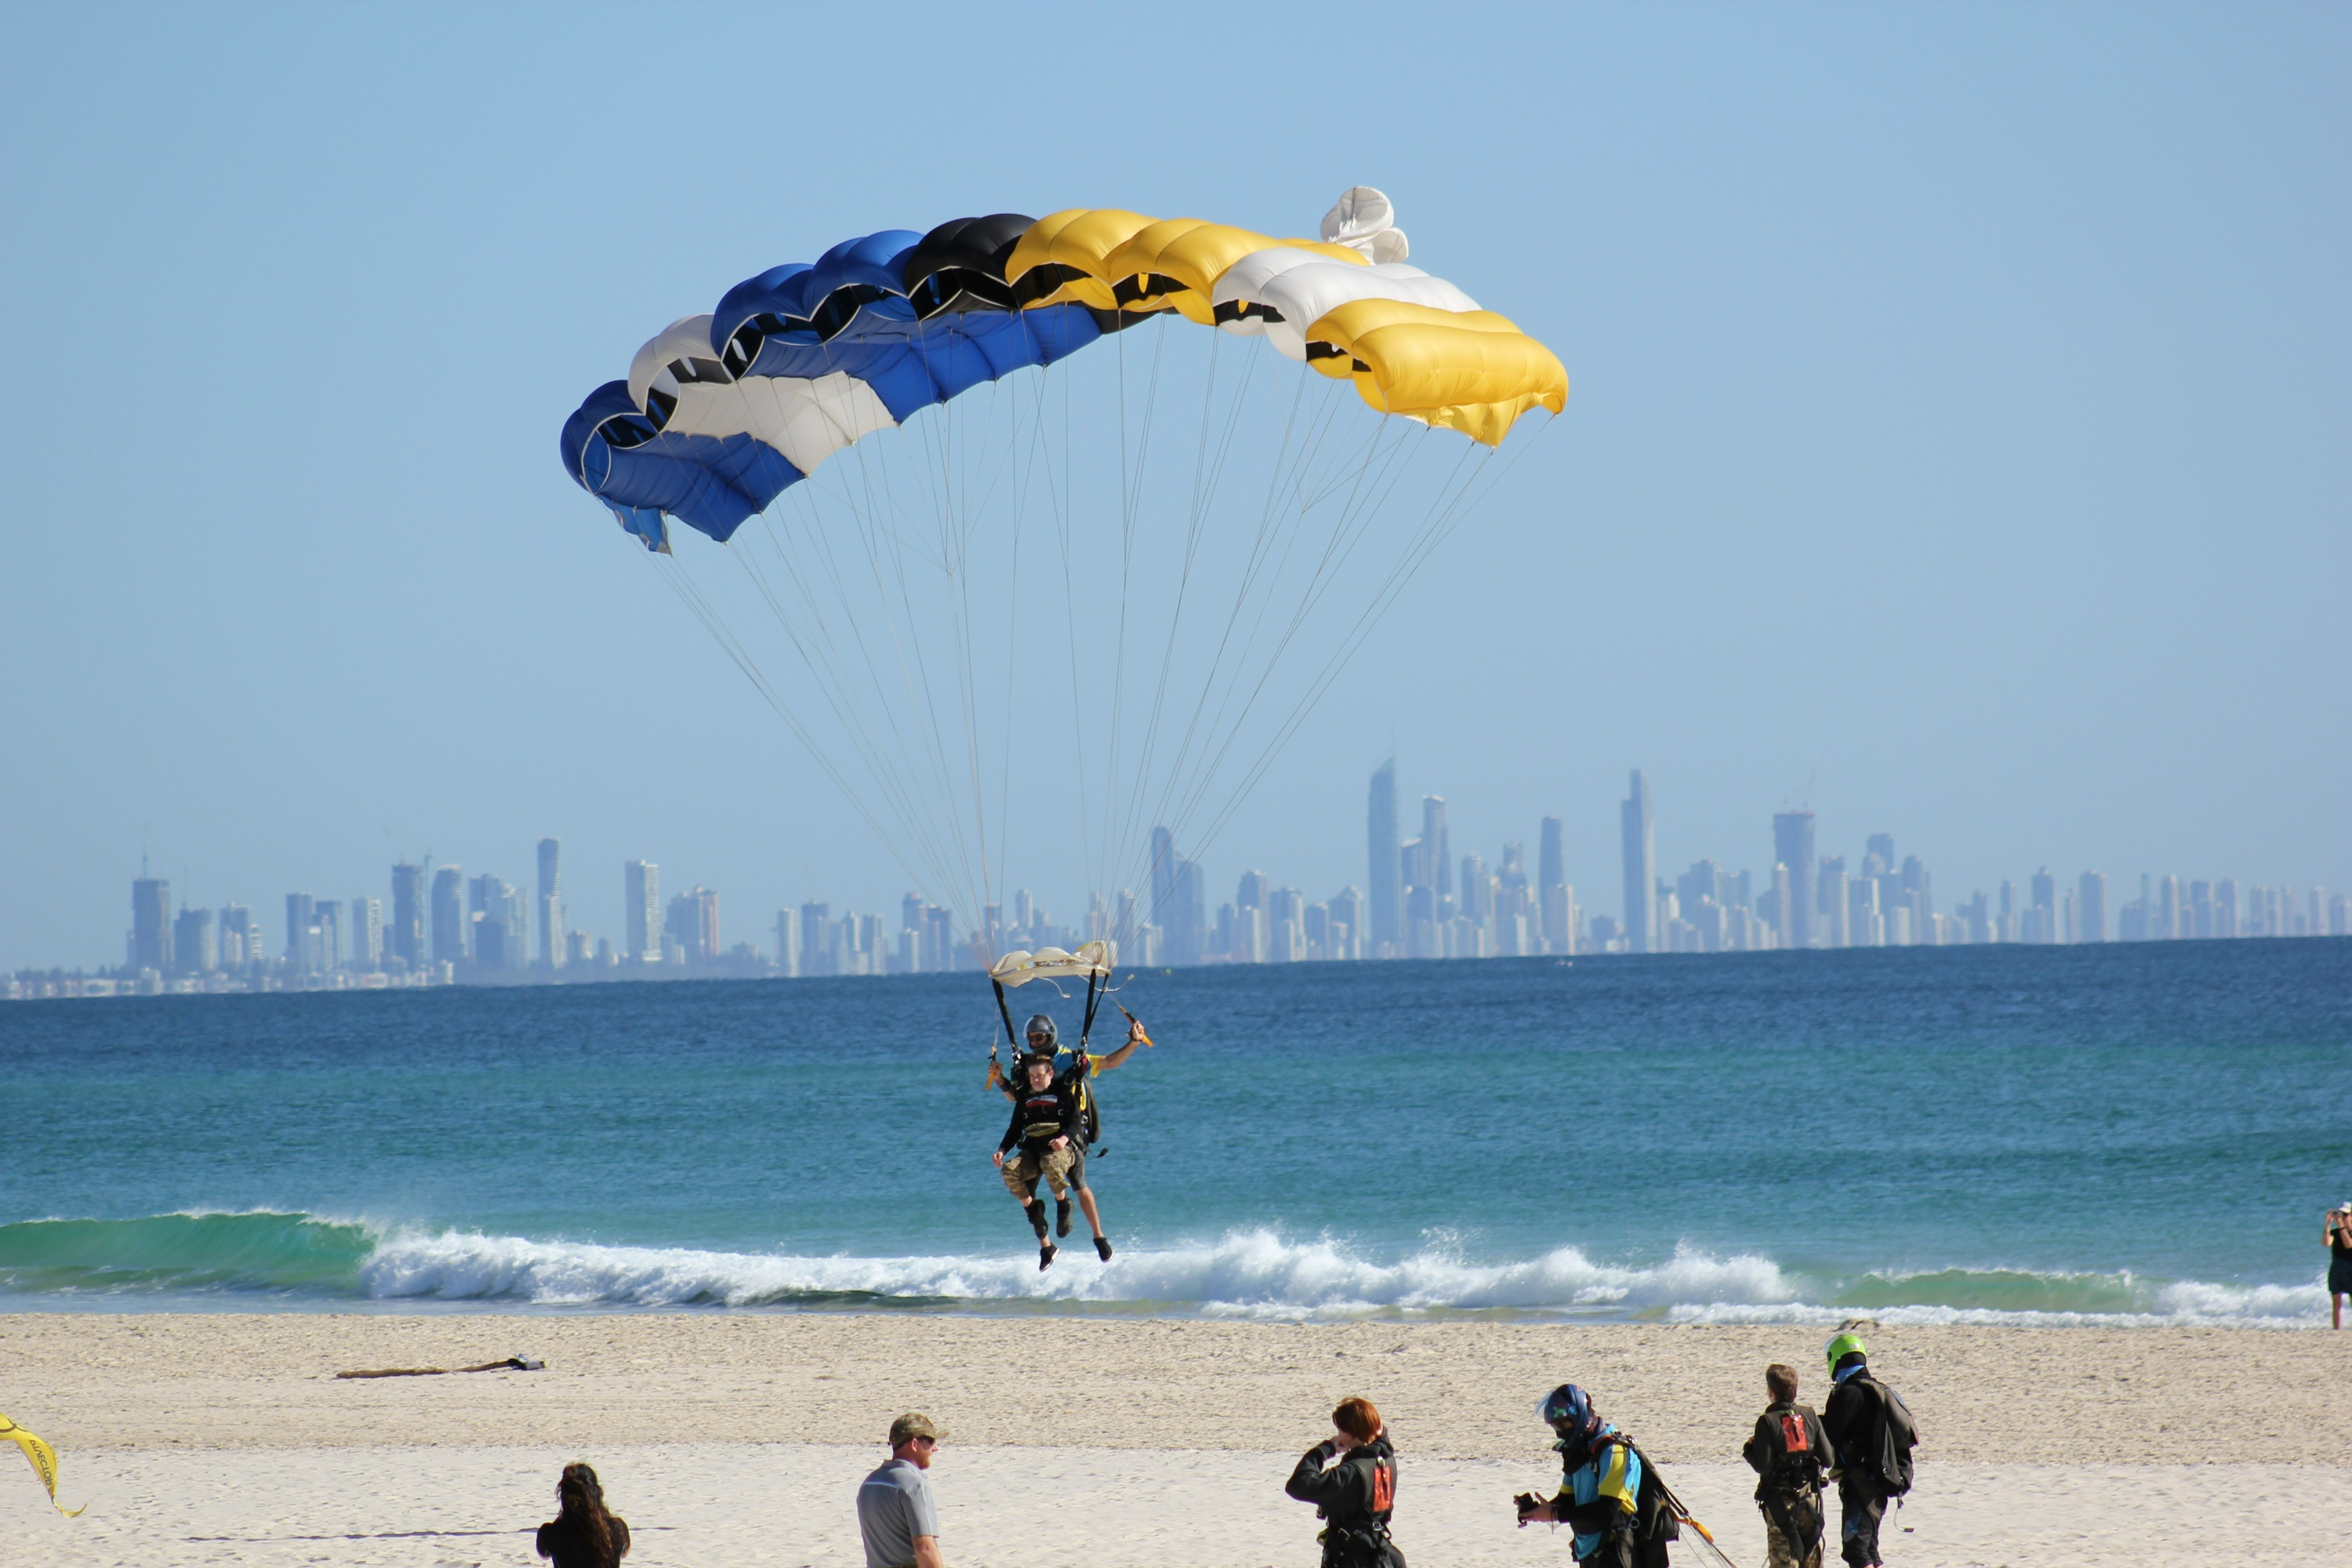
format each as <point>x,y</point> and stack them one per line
<point>1641,865</point>
<point>450,925</point>
<point>150,923</point>
<point>1551,871</point>
<point>1793,843</point>
<point>367,934</point>
<point>2091,908</point>
<point>2225,908</point>
<point>550,902</point>
<point>1436,853</point>
<point>1386,891</point>
<point>642,898</point>
<point>2044,928</point>
<point>301,934</point>
<point>240,938</point>
<point>1830,901</point>
<point>192,949</point>
<point>1180,899</point>
<point>408,914</point>
<point>326,936</point>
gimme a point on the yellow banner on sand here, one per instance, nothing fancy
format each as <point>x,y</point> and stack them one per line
<point>44,1460</point>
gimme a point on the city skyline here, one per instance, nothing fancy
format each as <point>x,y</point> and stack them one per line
<point>1422,902</point>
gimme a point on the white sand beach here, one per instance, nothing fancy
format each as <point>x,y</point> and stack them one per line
<point>205,1439</point>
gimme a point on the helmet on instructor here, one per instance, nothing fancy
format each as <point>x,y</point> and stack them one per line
<point>1567,1411</point>
<point>1041,1028</point>
<point>1842,1346</point>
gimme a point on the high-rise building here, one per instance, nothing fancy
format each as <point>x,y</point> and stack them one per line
<point>150,923</point>
<point>2225,908</point>
<point>788,943</point>
<point>1793,843</point>
<point>1830,900</point>
<point>408,914</point>
<point>193,949</point>
<point>2043,925</point>
<point>2169,926</point>
<point>2091,908</point>
<point>641,895</point>
<point>1551,871</point>
<point>1437,853</point>
<point>240,939</point>
<point>693,924</point>
<point>1385,889</point>
<point>367,933</point>
<point>1641,865</point>
<point>451,924</point>
<point>816,938</point>
<point>327,936</point>
<point>1865,922</point>
<point>1180,899</point>
<point>550,902</point>
<point>302,935</point>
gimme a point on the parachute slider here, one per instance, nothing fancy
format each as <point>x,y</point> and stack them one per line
<point>1092,961</point>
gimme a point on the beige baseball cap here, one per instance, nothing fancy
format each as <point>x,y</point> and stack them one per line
<point>913,1424</point>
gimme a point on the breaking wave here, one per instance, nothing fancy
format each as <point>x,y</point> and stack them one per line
<point>1244,1274</point>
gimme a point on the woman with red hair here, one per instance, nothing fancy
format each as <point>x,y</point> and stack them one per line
<point>1357,1490</point>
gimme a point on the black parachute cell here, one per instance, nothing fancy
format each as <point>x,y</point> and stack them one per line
<point>961,264</point>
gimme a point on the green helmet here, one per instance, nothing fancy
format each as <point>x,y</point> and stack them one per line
<point>1844,1345</point>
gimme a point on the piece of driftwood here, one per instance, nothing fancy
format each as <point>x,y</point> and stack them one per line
<point>512,1363</point>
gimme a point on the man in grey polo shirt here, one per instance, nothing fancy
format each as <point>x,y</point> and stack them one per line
<point>896,1516</point>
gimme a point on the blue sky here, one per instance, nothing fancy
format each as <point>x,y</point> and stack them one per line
<point>1957,438</point>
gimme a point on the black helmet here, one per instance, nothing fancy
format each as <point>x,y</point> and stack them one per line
<point>1041,1024</point>
<point>1567,1411</point>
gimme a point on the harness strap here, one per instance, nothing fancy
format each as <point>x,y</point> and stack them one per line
<point>1094,1000</point>
<point>1005,1012</point>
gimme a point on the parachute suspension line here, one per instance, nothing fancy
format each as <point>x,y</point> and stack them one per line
<point>1186,776</point>
<point>1445,516</point>
<point>1005,1012</point>
<point>821,655</point>
<point>1012,671</point>
<point>700,607</point>
<point>1124,838</point>
<point>1059,502</point>
<point>1131,474</point>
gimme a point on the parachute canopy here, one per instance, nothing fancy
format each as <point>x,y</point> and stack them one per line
<point>721,413</point>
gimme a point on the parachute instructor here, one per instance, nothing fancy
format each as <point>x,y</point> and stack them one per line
<point>1600,1485</point>
<point>1044,1044</point>
<point>1872,1433</point>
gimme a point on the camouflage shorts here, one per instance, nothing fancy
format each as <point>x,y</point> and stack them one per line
<point>1022,1170</point>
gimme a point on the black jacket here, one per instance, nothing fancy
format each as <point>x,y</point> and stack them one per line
<point>1871,1434</point>
<point>1357,1495</point>
<point>1040,1116</point>
<point>566,1544</point>
<point>1775,1454</point>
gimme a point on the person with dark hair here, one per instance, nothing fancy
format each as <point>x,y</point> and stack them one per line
<point>1083,1066</point>
<point>1871,1434</point>
<point>1790,1453</point>
<point>584,1533</point>
<point>1044,1126</point>
<point>1600,1485</point>
<point>2339,1238</point>
<point>1357,1493</point>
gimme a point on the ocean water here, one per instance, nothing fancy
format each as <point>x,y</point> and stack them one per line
<point>2139,1133</point>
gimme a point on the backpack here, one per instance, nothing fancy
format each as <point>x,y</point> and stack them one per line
<point>1898,1434</point>
<point>1796,1465</point>
<point>1655,1524</point>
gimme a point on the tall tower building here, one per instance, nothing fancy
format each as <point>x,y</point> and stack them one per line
<point>1437,854</point>
<point>451,926</point>
<point>408,914</point>
<point>1792,846</point>
<point>1640,866</point>
<point>150,923</point>
<point>641,897</point>
<point>193,948</point>
<point>2090,908</point>
<point>1551,871</point>
<point>367,933</point>
<point>2045,906</point>
<point>301,938</point>
<point>550,902</point>
<point>1387,884</point>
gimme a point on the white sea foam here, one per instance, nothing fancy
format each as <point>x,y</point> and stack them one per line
<point>1259,1274</point>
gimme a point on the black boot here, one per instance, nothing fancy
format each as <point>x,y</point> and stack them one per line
<point>1102,1247</point>
<point>1061,1216</point>
<point>1036,1209</point>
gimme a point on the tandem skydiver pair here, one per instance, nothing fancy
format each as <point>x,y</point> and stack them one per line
<point>1055,1119</point>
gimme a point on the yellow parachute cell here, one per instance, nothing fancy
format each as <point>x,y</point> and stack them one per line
<point>1472,371</point>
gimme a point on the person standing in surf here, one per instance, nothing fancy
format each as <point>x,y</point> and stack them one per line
<point>2339,1238</point>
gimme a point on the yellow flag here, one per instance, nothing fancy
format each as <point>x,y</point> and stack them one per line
<point>44,1460</point>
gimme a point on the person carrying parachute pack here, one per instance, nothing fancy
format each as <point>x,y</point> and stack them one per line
<point>1872,1433</point>
<point>1610,1494</point>
<point>1790,1453</point>
<point>1357,1495</point>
